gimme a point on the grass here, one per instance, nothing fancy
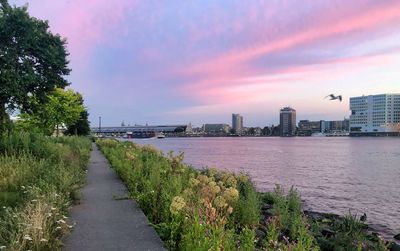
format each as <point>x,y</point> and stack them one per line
<point>190,209</point>
<point>39,179</point>
<point>215,210</point>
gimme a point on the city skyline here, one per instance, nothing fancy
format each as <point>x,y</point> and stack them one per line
<point>146,61</point>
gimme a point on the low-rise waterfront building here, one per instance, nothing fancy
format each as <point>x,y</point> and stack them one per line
<point>307,128</point>
<point>335,126</point>
<point>375,115</point>
<point>216,129</point>
<point>287,121</point>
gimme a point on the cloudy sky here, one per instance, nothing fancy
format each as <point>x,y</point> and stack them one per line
<point>177,61</point>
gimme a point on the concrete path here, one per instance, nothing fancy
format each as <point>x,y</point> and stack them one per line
<point>104,222</point>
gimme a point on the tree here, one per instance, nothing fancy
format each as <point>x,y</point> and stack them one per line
<point>62,108</point>
<point>33,61</point>
<point>266,131</point>
<point>80,127</point>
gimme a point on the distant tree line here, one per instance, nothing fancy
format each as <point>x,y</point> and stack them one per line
<point>33,67</point>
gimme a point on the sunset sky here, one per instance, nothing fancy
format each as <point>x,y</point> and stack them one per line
<point>180,61</point>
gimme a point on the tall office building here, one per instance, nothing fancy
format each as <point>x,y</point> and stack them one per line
<point>237,123</point>
<point>375,115</point>
<point>287,122</point>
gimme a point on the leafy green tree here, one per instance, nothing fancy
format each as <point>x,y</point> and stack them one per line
<point>266,131</point>
<point>63,107</point>
<point>81,127</point>
<point>33,61</point>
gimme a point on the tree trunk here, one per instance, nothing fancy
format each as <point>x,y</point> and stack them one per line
<point>57,131</point>
<point>3,118</point>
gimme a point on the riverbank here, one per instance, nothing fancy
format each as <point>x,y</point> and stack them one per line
<point>39,180</point>
<point>212,209</point>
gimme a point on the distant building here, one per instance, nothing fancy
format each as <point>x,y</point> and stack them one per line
<point>375,115</point>
<point>287,122</point>
<point>307,128</point>
<point>216,129</point>
<point>335,126</point>
<point>139,131</point>
<point>237,123</point>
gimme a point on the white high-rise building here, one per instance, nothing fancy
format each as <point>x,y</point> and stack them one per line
<point>375,115</point>
<point>237,123</point>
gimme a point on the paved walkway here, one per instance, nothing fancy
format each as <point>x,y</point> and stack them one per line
<point>104,222</point>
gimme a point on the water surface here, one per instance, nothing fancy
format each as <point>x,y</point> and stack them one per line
<point>332,174</point>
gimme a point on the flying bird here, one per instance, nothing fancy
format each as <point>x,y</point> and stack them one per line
<point>333,97</point>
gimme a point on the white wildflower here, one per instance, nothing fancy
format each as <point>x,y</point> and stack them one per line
<point>53,208</point>
<point>27,237</point>
<point>58,228</point>
<point>23,187</point>
<point>33,200</point>
<point>65,217</point>
<point>61,221</point>
<point>43,240</point>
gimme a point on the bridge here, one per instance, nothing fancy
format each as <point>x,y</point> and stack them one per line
<point>139,131</point>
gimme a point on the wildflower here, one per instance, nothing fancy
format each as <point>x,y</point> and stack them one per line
<point>215,189</point>
<point>27,237</point>
<point>33,200</point>
<point>203,179</point>
<point>70,226</point>
<point>43,240</point>
<point>57,195</point>
<point>231,181</point>
<point>212,171</point>
<point>231,195</point>
<point>61,221</point>
<point>65,217</point>
<point>193,182</point>
<point>4,207</point>
<point>58,228</point>
<point>53,208</point>
<point>178,203</point>
<point>23,187</point>
<point>220,202</point>
<point>49,214</point>
<point>243,178</point>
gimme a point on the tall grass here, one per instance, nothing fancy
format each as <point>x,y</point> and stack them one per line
<point>39,178</point>
<point>215,210</point>
<point>190,209</point>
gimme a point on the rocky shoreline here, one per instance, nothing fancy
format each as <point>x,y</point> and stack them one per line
<point>326,226</point>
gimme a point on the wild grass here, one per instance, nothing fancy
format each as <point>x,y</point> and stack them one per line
<point>39,178</point>
<point>216,210</point>
<point>190,209</point>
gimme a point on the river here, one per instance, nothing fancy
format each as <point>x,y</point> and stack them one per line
<point>332,174</point>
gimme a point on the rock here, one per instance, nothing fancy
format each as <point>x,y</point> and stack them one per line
<point>265,207</point>
<point>260,234</point>
<point>327,232</point>
<point>397,237</point>
<point>394,247</point>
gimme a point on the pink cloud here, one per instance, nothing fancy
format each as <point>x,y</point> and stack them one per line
<point>218,76</point>
<point>85,24</point>
<point>367,20</point>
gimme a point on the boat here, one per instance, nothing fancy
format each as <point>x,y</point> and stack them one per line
<point>318,134</point>
<point>160,136</point>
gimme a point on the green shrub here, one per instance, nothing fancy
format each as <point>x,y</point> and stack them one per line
<point>39,178</point>
<point>190,209</point>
